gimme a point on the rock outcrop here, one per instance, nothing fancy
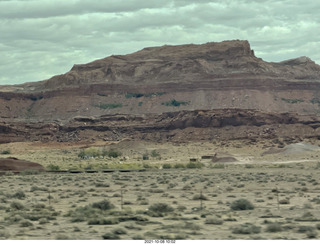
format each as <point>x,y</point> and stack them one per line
<point>181,126</point>
<point>163,89</point>
<point>17,165</point>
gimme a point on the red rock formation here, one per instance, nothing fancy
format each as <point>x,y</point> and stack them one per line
<point>17,165</point>
<point>163,89</point>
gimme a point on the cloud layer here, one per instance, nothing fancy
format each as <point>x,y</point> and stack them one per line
<point>42,38</point>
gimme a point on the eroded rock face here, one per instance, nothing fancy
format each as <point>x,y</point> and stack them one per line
<point>17,165</point>
<point>180,126</point>
<point>208,76</point>
<point>178,93</point>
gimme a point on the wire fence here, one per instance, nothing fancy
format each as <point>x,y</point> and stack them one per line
<point>195,200</point>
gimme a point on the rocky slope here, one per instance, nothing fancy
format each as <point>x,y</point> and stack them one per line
<point>181,126</point>
<point>153,80</point>
<point>170,82</point>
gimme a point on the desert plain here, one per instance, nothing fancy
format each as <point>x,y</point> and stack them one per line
<point>258,190</point>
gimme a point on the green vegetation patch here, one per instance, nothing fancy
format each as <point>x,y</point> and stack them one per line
<point>7,151</point>
<point>159,210</point>
<point>90,212</point>
<point>36,98</point>
<point>53,167</point>
<point>137,95</point>
<point>93,152</point>
<point>194,165</point>
<point>175,103</point>
<point>292,101</point>
<point>246,229</point>
<point>315,101</point>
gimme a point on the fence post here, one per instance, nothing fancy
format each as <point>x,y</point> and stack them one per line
<point>277,190</point>
<point>121,192</point>
<point>200,199</point>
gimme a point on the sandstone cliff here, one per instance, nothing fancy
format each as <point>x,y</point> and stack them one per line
<point>163,81</point>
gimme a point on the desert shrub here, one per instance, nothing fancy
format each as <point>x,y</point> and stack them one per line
<point>166,166</point>
<point>190,226</point>
<point>119,231</point>
<point>53,167</point>
<point>218,166</point>
<point>194,165</point>
<point>292,101</point>
<point>175,103</point>
<point>113,153</point>
<point>19,195</point>
<point>30,172</point>
<point>305,228</point>
<point>100,184</point>
<point>315,101</point>
<point>284,201</point>
<point>7,151</point>
<point>90,152</point>
<point>145,156</point>
<point>181,208</point>
<point>156,191</point>
<point>199,197</point>
<point>312,234</point>
<point>40,213</point>
<point>246,229</point>
<point>134,95</point>
<point>93,152</point>
<point>214,221</point>
<point>81,214</point>
<point>62,237</point>
<point>43,221</point>
<point>110,236</point>
<point>241,204</point>
<point>103,205</point>
<point>137,95</point>
<point>161,208</point>
<point>82,154</point>
<point>274,227</point>
<point>17,206</point>
<point>148,166</point>
<point>249,166</point>
<point>109,221</point>
<point>26,223</point>
<point>13,219</point>
<point>143,202</point>
<point>179,166</point>
<point>155,154</point>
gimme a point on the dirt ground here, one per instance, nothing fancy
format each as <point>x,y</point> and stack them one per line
<point>167,201</point>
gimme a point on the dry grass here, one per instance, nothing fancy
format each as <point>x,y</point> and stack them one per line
<point>170,203</point>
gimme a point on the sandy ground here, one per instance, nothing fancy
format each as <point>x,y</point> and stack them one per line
<point>66,154</point>
<point>282,186</point>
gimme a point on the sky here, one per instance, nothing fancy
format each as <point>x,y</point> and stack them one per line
<point>43,38</point>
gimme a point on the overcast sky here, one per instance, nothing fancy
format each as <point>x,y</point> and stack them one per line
<point>42,38</point>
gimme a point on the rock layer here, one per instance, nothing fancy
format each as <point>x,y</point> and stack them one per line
<point>162,89</point>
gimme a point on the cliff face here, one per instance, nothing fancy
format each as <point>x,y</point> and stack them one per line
<point>184,64</point>
<point>169,79</point>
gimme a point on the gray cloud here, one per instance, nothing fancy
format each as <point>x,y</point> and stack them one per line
<point>39,39</point>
